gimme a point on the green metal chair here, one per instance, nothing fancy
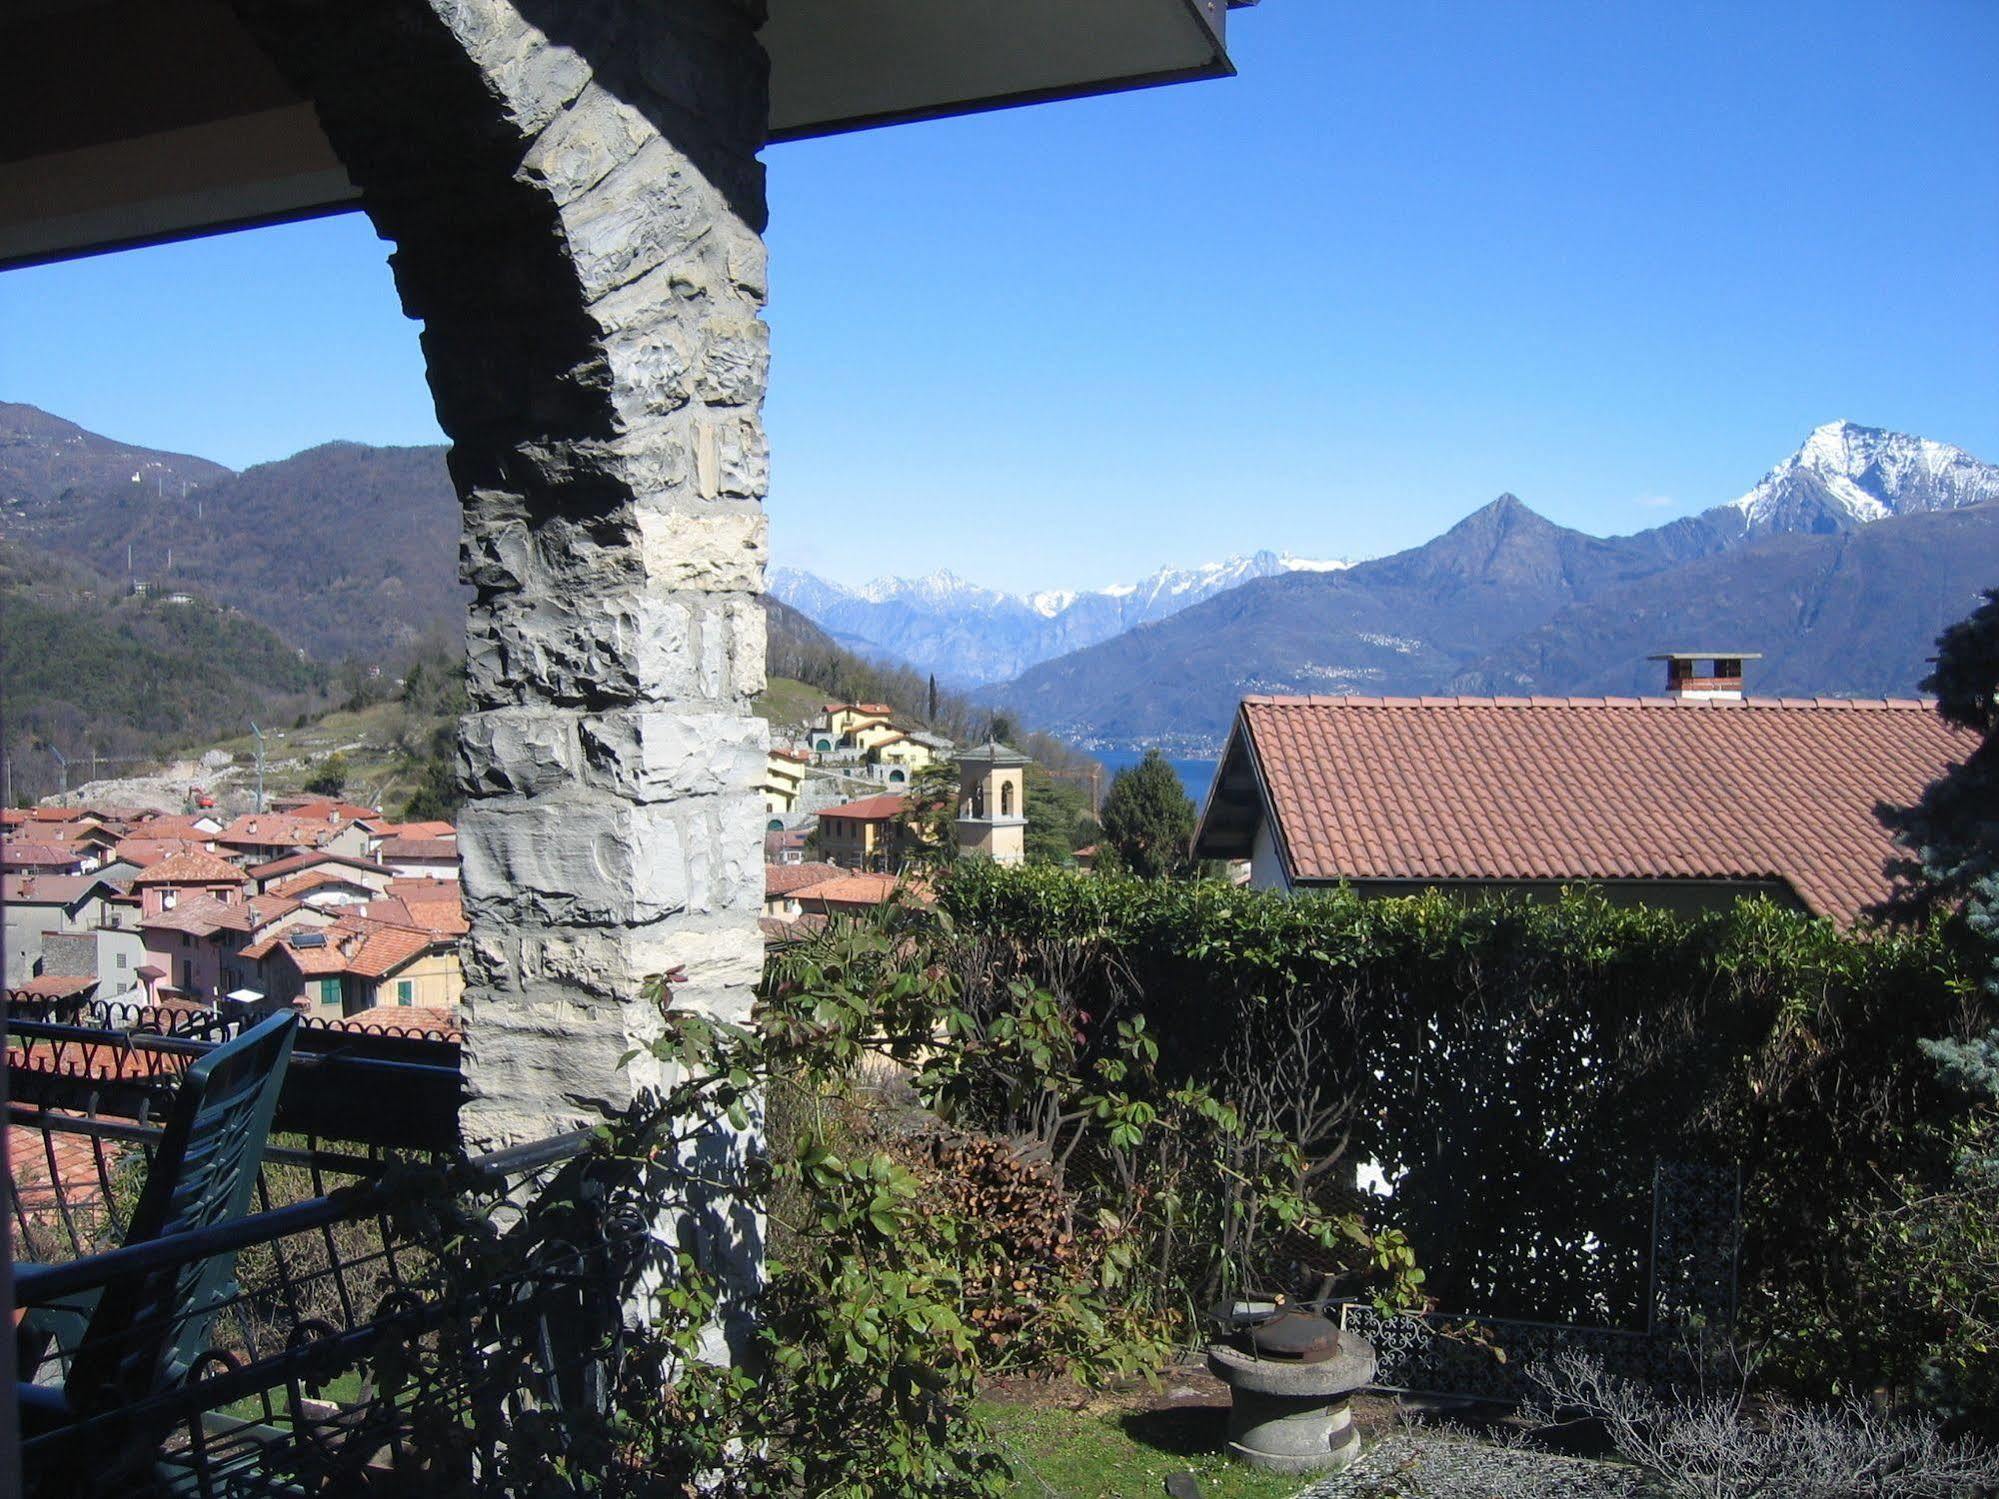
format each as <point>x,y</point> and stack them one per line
<point>147,1328</point>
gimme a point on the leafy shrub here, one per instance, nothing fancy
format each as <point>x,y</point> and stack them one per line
<point>1516,1068</point>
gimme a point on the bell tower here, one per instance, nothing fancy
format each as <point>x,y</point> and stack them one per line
<point>992,803</point>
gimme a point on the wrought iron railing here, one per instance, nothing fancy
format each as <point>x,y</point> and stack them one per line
<point>352,1353</point>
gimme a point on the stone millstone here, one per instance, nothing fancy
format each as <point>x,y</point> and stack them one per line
<point>1287,1417</point>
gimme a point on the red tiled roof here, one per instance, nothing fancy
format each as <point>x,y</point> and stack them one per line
<point>445,917</point>
<point>432,829</point>
<point>354,944</point>
<point>54,986</point>
<point>312,860</point>
<point>851,892</point>
<point>418,848</point>
<point>23,855</point>
<point>277,830</point>
<point>325,809</point>
<point>314,879</point>
<point>1597,788</point>
<point>46,889</point>
<point>146,852</point>
<point>868,809</point>
<point>175,825</point>
<point>192,867</point>
<point>786,879</point>
<point>391,1017</point>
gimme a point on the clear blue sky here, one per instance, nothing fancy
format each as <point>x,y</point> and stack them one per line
<point>1617,259</point>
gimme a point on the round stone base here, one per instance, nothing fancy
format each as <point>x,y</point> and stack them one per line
<point>1281,1435</point>
<point>1293,1418</point>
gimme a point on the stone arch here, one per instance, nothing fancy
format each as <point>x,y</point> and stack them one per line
<point>576,208</point>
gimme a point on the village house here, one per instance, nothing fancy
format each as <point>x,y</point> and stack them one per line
<point>272,835</point>
<point>784,776</point>
<point>39,906</point>
<point>897,756</point>
<point>783,845</point>
<point>297,873</point>
<point>21,856</point>
<point>840,726</point>
<point>863,835</point>
<point>420,858</point>
<point>848,894</point>
<point>198,944</point>
<point>183,876</point>
<point>102,963</point>
<point>355,964</point>
<point>1685,801</point>
<point>783,884</point>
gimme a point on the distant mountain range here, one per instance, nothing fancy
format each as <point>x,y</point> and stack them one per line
<point>345,550</point>
<point>1840,566</point>
<point>968,635</point>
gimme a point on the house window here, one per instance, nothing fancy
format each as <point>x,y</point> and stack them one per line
<point>121,960</point>
<point>329,991</point>
<point>167,899</point>
<point>405,992</point>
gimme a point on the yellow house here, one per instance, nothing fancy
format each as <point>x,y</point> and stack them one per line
<point>784,774</point>
<point>901,757</point>
<point>862,835</point>
<point>838,724</point>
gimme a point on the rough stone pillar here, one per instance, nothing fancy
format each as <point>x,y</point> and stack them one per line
<point>576,205</point>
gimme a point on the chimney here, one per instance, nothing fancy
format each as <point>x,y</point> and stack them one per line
<point>1705,676</point>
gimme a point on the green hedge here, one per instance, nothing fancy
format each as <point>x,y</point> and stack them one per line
<point>1518,1067</point>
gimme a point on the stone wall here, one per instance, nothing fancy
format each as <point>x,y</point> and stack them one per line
<point>576,205</point>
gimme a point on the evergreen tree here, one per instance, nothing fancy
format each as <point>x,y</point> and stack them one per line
<point>931,716</point>
<point>928,827</point>
<point>331,777</point>
<point>1148,820</point>
<point>1953,831</point>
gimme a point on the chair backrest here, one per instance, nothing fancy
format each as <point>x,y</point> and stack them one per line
<point>148,1328</point>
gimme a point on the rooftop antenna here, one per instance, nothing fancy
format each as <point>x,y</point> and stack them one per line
<point>260,763</point>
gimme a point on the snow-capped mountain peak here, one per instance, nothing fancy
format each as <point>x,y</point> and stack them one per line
<point>974,634</point>
<point>1846,475</point>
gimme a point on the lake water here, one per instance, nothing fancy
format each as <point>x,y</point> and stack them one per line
<point>1195,775</point>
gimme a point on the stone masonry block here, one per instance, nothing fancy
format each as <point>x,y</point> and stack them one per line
<point>650,756</point>
<point>585,143</point>
<point>570,861</point>
<point>716,549</point>
<point>519,751</point>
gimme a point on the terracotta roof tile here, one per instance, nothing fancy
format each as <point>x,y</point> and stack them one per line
<point>786,879</point>
<point>292,862</point>
<point>851,892</point>
<point>1598,789</point>
<point>867,809</point>
<point>190,867</point>
<point>47,889</point>
<point>417,848</point>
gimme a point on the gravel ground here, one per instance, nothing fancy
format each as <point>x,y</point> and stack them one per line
<point>1428,1467</point>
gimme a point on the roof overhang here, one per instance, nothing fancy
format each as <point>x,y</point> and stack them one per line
<point>1237,803</point>
<point>136,121</point>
